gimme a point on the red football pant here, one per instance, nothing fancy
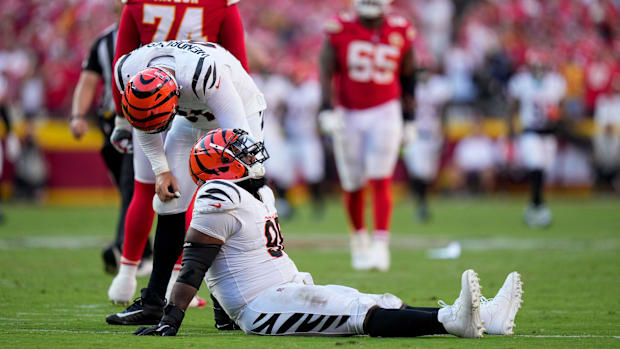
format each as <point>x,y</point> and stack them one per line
<point>383,205</point>
<point>138,221</point>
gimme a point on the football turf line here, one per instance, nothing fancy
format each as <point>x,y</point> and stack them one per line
<point>340,241</point>
<point>235,333</point>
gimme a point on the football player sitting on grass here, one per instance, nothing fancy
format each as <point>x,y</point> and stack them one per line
<point>235,243</point>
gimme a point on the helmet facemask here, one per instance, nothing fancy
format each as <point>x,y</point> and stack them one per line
<point>247,151</point>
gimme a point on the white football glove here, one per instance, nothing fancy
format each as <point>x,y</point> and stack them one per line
<point>331,121</point>
<point>410,132</point>
<point>121,137</point>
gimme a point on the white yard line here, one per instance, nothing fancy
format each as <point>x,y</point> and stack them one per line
<point>233,333</point>
<point>339,241</point>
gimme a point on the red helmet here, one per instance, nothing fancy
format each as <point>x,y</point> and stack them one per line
<point>227,154</point>
<point>150,100</point>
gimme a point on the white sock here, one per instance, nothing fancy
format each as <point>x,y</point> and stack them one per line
<point>128,270</point>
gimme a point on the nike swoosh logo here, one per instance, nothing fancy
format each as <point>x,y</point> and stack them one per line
<point>216,205</point>
<point>129,313</point>
<point>218,82</point>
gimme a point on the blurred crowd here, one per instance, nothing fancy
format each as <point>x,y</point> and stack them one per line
<point>474,46</point>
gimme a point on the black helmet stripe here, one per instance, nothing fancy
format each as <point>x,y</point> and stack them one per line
<point>170,95</point>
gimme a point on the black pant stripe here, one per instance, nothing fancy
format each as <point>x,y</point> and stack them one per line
<point>308,325</point>
<point>292,320</point>
<point>329,322</point>
<point>343,320</point>
<point>259,318</point>
<point>267,325</point>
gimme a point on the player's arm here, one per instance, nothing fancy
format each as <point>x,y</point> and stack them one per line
<point>199,252</point>
<point>407,84</point>
<point>166,185</point>
<point>85,91</point>
<point>210,227</point>
<point>128,40</point>
<point>327,69</point>
<point>224,100</point>
<point>231,35</point>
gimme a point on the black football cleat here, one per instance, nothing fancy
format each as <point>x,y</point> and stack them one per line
<point>111,259</point>
<point>146,310</point>
<point>222,321</point>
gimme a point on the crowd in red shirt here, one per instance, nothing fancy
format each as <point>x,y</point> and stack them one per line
<point>47,40</point>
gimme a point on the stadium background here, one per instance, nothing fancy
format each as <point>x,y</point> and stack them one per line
<point>483,42</point>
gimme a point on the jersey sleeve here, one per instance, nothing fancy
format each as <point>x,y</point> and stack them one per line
<point>220,94</point>
<point>128,40</point>
<point>91,63</point>
<point>214,200</point>
<point>332,27</point>
<point>231,35</point>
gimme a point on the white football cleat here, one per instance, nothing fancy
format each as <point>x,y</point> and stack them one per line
<point>538,216</point>
<point>463,317</point>
<point>498,313</point>
<point>122,289</point>
<point>360,252</point>
<point>380,252</point>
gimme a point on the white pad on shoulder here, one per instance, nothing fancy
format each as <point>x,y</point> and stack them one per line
<point>217,196</point>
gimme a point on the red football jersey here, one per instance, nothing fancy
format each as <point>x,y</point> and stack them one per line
<point>145,21</point>
<point>369,61</point>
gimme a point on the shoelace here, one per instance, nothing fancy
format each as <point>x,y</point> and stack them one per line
<point>484,300</point>
<point>442,303</point>
<point>137,304</point>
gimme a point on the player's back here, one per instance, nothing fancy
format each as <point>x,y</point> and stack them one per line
<point>368,60</point>
<point>161,20</point>
<point>198,70</point>
<point>252,257</point>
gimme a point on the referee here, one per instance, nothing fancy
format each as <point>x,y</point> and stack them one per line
<point>97,66</point>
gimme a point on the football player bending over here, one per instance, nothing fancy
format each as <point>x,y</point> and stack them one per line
<point>235,240</point>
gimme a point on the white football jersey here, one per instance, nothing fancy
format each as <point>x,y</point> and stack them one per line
<point>252,258</point>
<point>430,96</point>
<point>536,96</point>
<point>302,108</point>
<point>202,72</point>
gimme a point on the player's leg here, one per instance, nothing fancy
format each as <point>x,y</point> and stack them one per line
<point>380,156</point>
<point>348,153</point>
<point>310,158</point>
<point>114,163</point>
<point>422,161</point>
<point>285,310</point>
<point>170,230</point>
<point>533,149</point>
<point>138,223</point>
<point>460,319</point>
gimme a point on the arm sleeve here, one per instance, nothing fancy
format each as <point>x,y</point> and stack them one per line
<point>153,147</point>
<point>91,62</point>
<point>220,225</point>
<point>231,35</point>
<point>128,40</point>
<point>226,104</point>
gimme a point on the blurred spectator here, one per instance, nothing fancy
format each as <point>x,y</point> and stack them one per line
<point>474,158</point>
<point>606,140</point>
<point>30,171</point>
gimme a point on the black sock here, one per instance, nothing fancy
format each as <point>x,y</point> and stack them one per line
<point>169,237</point>
<point>419,187</point>
<point>402,323</point>
<point>427,309</point>
<point>537,179</point>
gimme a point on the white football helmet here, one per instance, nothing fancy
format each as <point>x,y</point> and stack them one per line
<point>371,8</point>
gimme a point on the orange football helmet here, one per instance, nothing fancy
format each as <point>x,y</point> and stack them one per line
<point>150,100</point>
<point>227,154</point>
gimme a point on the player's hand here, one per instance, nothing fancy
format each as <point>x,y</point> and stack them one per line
<point>410,132</point>
<point>331,121</point>
<point>169,324</point>
<point>166,186</point>
<point>121,137</point>
<point>78,126</point>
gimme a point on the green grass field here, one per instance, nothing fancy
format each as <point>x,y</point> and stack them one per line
<point>53,288</point>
